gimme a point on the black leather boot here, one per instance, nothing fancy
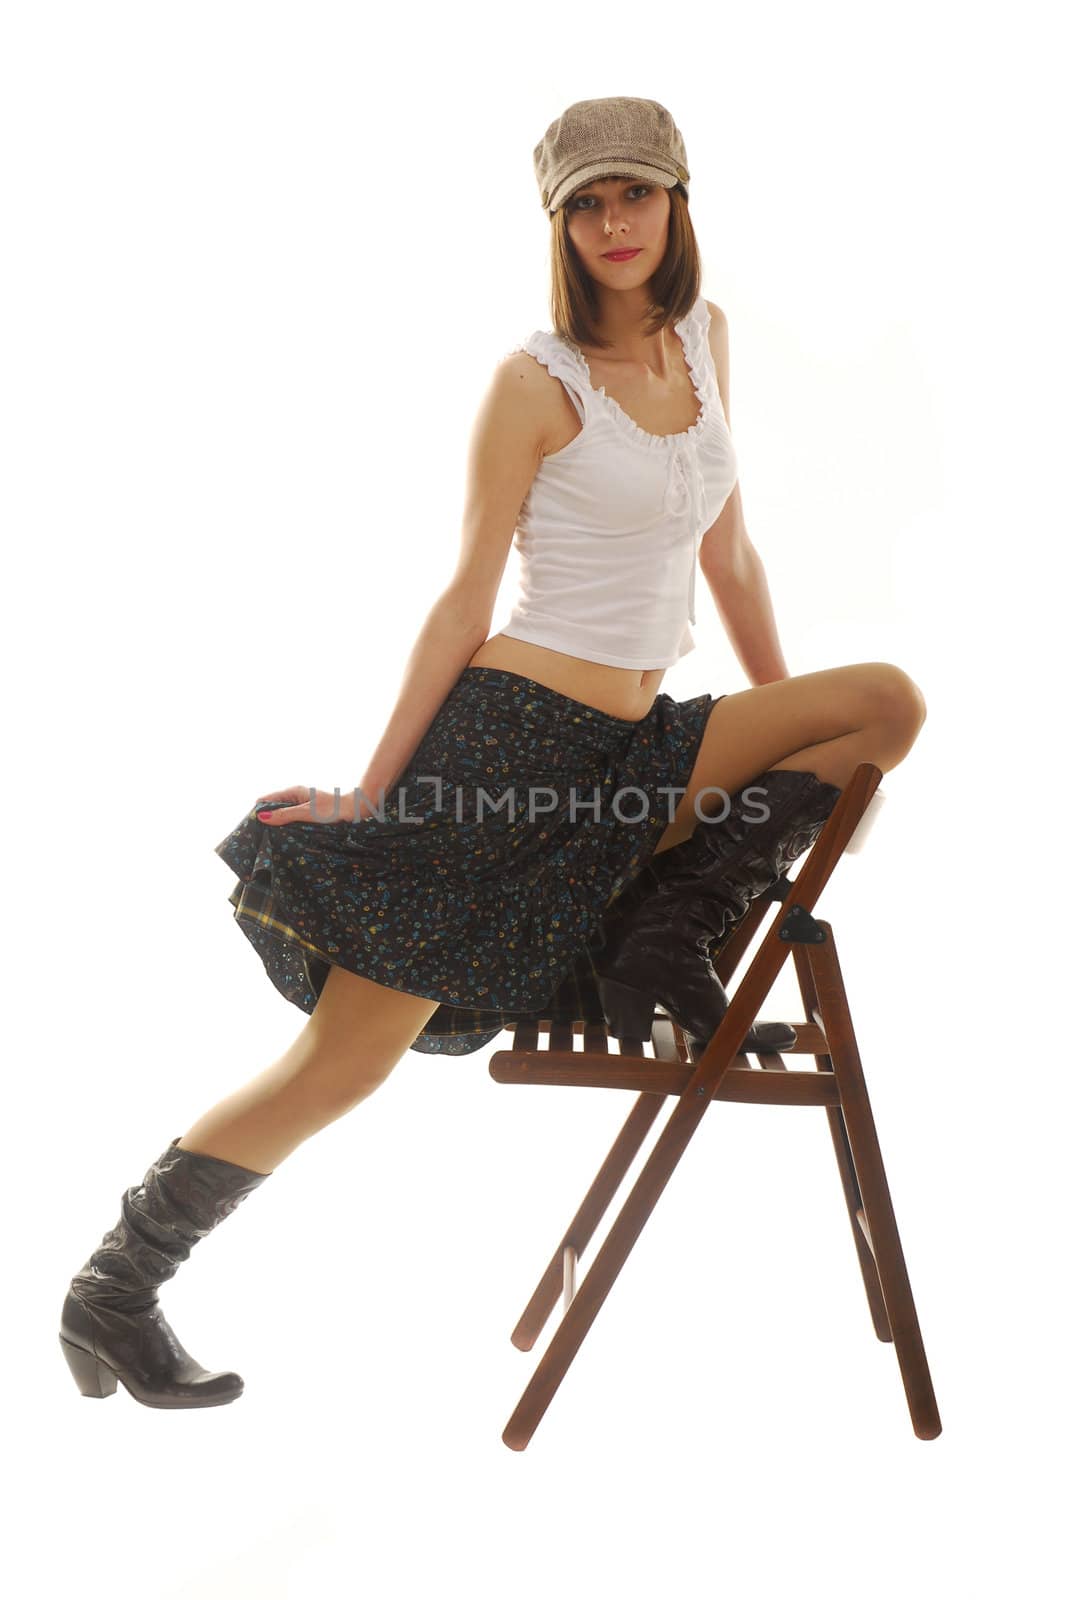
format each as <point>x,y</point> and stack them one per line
<point>111,1326</point>
<point>662,952</point>
<point>764,1036</point>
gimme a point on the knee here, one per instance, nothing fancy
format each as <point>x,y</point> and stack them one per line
<point>896,698</point>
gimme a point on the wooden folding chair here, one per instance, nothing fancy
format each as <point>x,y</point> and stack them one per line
<point>722,1073</point>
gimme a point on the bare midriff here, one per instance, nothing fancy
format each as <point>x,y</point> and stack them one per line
<point>627,692</point>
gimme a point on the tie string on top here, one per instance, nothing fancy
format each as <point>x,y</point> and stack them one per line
<point>686,491</point>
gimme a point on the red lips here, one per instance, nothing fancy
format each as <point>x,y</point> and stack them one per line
<point>620,255</point>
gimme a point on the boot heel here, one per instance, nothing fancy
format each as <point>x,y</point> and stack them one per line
<point>93,1378</point>
<point>629,1012</point>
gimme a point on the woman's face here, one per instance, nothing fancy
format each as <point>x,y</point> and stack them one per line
<point>614,214</point>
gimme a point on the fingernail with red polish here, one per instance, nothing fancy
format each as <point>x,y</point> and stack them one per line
<point>263,815</point>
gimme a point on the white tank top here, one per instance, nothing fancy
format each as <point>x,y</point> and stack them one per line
<point>609,531</point>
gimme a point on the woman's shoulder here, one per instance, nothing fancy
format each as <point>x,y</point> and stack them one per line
<point>545,349</point>
<point>542,359</point>
<point>525,383</point>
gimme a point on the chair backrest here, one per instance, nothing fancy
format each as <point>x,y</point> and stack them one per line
<point>865,823</point>
<point>794,923</point>
<point>845,831</point>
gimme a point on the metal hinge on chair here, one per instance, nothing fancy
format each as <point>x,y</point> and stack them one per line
<point>799,927</point>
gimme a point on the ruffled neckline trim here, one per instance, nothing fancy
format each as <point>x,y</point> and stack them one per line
<point>699,371</point>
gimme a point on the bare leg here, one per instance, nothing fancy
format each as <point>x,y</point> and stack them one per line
<point>821,722</point>
<point>357,1034</point>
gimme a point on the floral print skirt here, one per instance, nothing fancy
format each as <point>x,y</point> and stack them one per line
<point>483,880</point>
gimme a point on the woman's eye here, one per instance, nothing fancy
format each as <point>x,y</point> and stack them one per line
<point>578,204</point>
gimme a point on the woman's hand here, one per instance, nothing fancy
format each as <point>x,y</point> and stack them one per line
<point>299,804</point>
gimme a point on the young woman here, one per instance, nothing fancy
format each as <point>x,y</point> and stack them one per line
<point>538,809</point>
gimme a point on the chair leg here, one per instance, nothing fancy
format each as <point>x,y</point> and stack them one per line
<point>578,1234</point>
<point>845,1164</point>
<point>878,1217</point>
<point>616,1247</point>
<point>557,1277</point>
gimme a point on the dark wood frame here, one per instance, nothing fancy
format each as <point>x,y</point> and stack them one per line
<point>721,1073</point>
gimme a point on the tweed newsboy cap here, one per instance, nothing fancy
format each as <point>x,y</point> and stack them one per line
<point>595,138</point>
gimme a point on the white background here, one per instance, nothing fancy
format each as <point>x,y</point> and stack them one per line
<point>258,264</point>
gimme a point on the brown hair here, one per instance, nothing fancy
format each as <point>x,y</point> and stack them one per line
<point>673,288</point>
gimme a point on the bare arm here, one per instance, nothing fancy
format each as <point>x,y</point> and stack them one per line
<point>737,581</point>
<point>505,451</point>
<point>445,644</point>
<point>729,561</point>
